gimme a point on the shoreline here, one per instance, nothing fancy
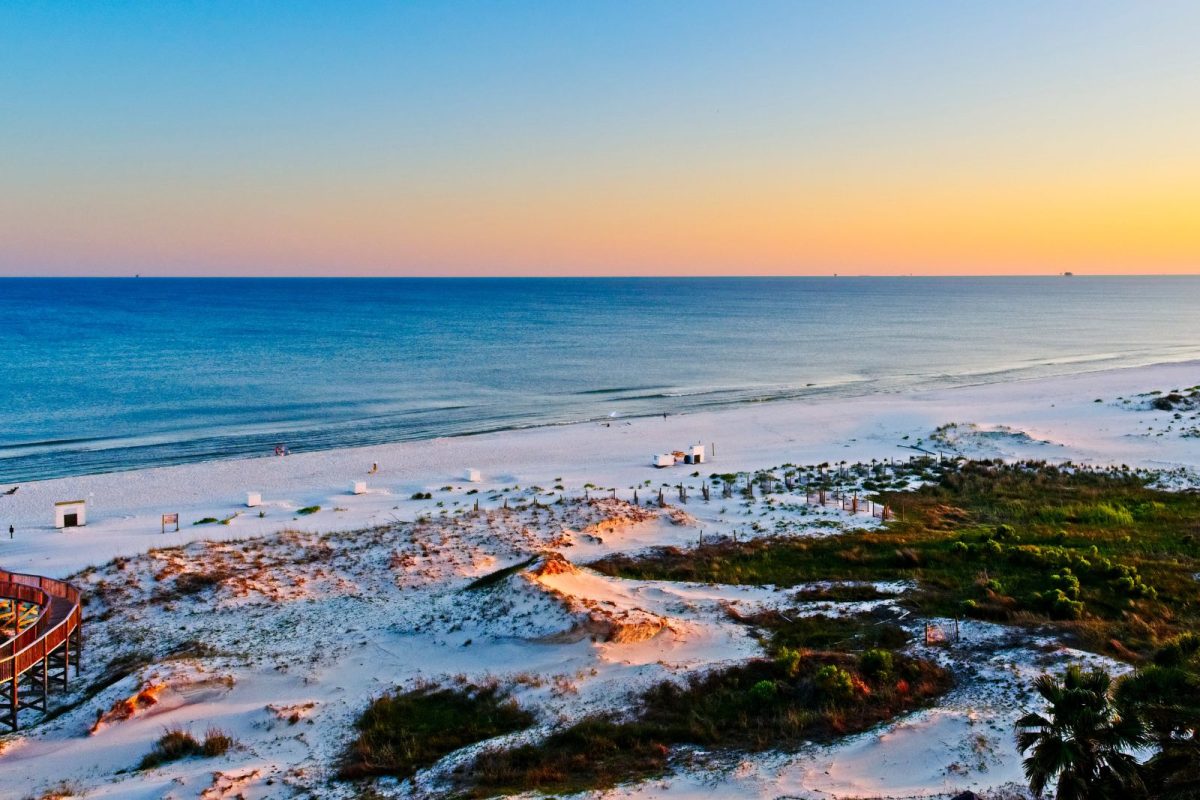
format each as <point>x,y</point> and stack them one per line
<point>744,397</point>
<point>1048,418</point>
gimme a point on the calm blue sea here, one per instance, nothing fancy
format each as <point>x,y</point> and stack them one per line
<point>109,374</point>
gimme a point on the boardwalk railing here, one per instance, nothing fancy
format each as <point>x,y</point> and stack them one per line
<point>39,654</point>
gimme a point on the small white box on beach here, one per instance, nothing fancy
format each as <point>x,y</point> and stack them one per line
<point>358,487</point>
<point>664,460</point>
<point>70,513</point>
<point>253,499</point>
<point>472,476</point>
<point>696,454</point>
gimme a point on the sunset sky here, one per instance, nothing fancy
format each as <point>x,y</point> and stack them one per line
<point>595,138</point>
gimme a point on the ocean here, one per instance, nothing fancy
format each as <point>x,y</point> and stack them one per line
<point>109,374</point>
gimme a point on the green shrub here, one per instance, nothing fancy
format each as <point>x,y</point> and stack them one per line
<point>876,664</point>
<point>764,691</point>
<point>1067,583</point>
<point>402,732</point>
<point>1005,532</point>
<point>834,683</point>
<point>308,510</point>
<point>789,660</point>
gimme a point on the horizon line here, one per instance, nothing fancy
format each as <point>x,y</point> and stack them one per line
<point>597,276</point>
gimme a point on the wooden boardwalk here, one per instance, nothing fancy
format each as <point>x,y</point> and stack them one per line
<point>44,628</point>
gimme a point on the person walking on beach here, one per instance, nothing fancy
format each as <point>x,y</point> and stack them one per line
<point>10,531</point>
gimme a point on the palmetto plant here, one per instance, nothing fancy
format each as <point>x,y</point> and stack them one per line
<point>1082,742</point>
<point>1166,697</point>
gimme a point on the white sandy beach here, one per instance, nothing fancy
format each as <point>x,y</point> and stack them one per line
<point>280,627</point>
<point>1058,415</point>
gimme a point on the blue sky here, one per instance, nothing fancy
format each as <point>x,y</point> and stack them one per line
<point>579,138</point>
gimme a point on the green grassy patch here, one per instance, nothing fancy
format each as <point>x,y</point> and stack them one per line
<point>1106,559</point>
<point>403,732</point>
<point>308,510</point>
<point>776,703</point>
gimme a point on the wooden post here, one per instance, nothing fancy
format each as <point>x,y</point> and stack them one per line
<point>12,699</point>
<point>635,497</point>
<point>46,682</point>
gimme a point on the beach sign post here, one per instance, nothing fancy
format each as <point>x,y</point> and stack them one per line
<point>170,519</point>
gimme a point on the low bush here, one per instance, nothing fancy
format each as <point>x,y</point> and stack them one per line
<point>402,732</point>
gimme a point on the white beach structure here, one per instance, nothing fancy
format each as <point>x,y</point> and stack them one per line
<point>473,476</point>
<point>664,460</point>
<point>70,513</point>
<point>358,487</point>
<point>695,454</point>
<point>253,499</point>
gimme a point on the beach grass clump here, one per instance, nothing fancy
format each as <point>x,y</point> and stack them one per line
<point>178,743</point>
<point>766,704</point>
<point>1101,554</point>
<point>402,732</point>
<point>308,510</point>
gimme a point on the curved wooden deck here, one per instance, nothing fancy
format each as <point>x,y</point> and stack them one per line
<point>37,655</point>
